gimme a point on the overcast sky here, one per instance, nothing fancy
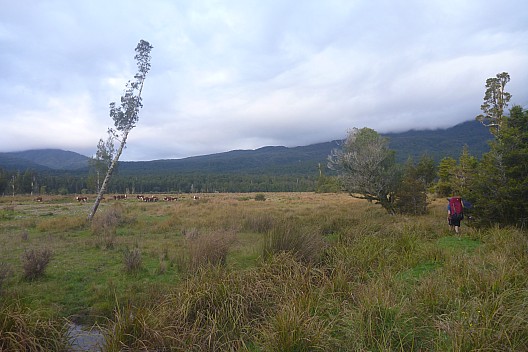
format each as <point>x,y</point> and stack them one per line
<point>244,74</point>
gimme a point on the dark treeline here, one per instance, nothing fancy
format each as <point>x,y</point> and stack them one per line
<point>31,182</point>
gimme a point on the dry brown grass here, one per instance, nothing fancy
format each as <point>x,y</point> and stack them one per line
<point>377,282</point>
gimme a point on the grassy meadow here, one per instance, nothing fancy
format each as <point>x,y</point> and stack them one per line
<point>246,272</point>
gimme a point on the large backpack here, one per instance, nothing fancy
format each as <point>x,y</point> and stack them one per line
<point>455,207</point>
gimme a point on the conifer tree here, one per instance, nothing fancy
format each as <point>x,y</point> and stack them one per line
<point>496,101</point>
<point>446,175</point>
<point>500,187</point>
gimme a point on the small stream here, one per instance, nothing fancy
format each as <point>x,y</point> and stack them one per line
<point>85,340</point>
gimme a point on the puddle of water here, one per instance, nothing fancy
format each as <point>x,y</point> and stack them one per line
<point>90,340</point>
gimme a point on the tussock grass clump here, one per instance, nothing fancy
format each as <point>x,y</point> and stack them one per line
<point>106,222</point>
<point>132,260</point>
<point>34,262</point>
<point>205,249</point>
<point>260,222</point>
<point>24,236</point>
<point>304,243</point>
<point>5,273</point>
<point>26,330</point>
<point>295,328</point>
<point>104,225</point>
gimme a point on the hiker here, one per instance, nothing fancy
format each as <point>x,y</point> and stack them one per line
<point>451,227</point>
<point>455,213</point>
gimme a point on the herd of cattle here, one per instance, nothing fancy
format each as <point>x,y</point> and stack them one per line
<point>138,197</point>
<point>124,197</point>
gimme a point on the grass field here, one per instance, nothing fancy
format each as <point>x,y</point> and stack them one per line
<point>295,272</point>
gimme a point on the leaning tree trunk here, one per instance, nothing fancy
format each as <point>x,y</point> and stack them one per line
<point>102,190</point>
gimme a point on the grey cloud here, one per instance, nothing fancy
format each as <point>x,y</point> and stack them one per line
<point>244,74</point>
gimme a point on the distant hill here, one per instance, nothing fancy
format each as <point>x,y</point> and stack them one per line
<point>273,160</point>
<point>440,143</point>
<point>54,159</point>
<point>268,160</point>
<point>10,162</point>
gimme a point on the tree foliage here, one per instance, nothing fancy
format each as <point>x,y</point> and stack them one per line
<point>496,101</point>
<point>102,160</point>
<point>366,167</point>
<point>126,114</point>
<point>411,196</point>
<point>500,187</point>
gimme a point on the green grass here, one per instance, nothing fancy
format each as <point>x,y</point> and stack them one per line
<point>459,243</point>
<point>359,280</point>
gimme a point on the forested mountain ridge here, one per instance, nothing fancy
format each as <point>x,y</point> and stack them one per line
<point>54,159</point>
<point>440,143</point>
<point>272,160</point>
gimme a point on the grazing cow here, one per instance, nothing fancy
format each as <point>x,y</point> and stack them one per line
<point>150,199</point>
<point>170,199</point>
<point>196,197</point>
<point>120,196</point>
<point>81,199</point>
<point>140,197</point>
<point>38,199</point>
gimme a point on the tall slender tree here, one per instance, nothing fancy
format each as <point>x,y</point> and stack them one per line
<point>126,114</point>
<point>496,101</point>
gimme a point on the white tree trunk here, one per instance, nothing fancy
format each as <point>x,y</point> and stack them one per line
<point>102,190</point>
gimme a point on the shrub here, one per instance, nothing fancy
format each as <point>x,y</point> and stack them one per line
<point>106,223</point>
<point>34,262</point>
<point>260,197</point>
<point>132,260</point>
<point>24,236</point>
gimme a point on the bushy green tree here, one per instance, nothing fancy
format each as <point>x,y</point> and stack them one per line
<point>446,175</point>
<point>464,172</point>
<point>411,197</point>
<point>367,168</point>
<point>4,181</point>
<point>500,187</point>
<point>327,184</point>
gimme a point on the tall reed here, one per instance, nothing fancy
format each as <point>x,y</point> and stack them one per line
<point>22,329</point>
